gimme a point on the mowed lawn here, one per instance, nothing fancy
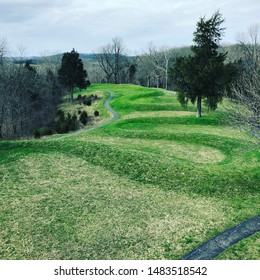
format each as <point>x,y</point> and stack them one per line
<point>154,184</point>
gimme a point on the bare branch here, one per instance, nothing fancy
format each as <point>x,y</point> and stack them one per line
<point>244,109</point>
<point>3,49</point>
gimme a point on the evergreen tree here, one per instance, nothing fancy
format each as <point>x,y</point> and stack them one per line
<point>72,73</point>
<point>29,67</point>
<point>203,75</point>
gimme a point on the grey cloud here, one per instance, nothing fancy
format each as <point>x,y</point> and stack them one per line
<point>16,11</point>
<point>86,25</point>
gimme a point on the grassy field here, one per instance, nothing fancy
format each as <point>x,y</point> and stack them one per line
<point>154,184</point>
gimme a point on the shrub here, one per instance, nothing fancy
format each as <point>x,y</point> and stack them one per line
<point>61,123</point>
<point>71,121</point>
<point>87,102</point>
<point>37,134</point>
<point>96,113</point>
<point>60,114</point>
<point>45,131</point>
<point>74,117</point>
<point>79,112</point>
<point>64,125</point>
<point>84,117</point>
<point>61,126</point>
<point>74,122</point>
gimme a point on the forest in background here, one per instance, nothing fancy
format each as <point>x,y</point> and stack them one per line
<point>31,88</point>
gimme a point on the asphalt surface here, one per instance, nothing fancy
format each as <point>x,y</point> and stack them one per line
<point>216,245</point>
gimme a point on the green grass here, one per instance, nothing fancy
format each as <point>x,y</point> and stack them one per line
<point>98,105</point>
<point>154,184</point>
<point>246,249</point>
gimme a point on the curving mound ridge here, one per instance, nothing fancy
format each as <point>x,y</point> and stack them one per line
<point>155,114</point>
<point>154,184</point>
<point>190,152</point>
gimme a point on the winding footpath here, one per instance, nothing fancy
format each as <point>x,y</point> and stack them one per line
<point>115,117</point>
<point>214,246</point>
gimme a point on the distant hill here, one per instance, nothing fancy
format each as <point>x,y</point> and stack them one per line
<point>233,53</point>
<point>87,56</point>
<point>40,59</point>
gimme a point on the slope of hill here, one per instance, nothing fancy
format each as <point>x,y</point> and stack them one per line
<point>154,184</point>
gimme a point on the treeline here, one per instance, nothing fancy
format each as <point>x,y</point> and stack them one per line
<point>110,64</point>
<point>201,73</point>
<point>30,94</point>
<point>28,98</point>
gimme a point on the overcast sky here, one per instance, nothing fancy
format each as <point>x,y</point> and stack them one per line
<point>60,25</point>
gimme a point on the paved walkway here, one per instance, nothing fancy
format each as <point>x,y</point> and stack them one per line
<point>115,117</point>
<point>219,243</point>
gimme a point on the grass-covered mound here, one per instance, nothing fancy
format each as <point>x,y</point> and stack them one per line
<point>154,184</point>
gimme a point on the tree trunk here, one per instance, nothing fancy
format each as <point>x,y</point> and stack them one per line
<point>166,81</point>
<point>71,95</point>
<point>148,82</point>
<point>8,123</point>
<point>199,106</point>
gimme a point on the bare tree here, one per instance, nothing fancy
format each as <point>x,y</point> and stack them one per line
<point>50,61</point>
<point>118,51</point>
<point>28,99</point>
<point>104,60</point>
<point>3,49</point>
<point>112,60</point>
<point>156,61</point>
<point>244,109</point>
<point>249,46</point>
<point>14,89</point>
<point>95,73</point>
